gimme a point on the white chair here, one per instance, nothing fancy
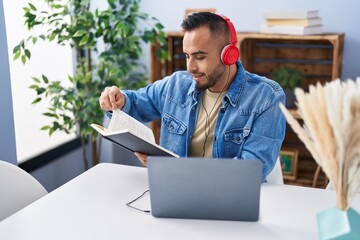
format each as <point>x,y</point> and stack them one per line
<point>17,189</point>
<point>276,175</point>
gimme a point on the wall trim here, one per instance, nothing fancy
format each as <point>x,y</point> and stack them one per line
<point>51,155</point>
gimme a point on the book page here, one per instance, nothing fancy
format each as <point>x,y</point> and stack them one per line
<point>122,121</point>
<point>99,128</point>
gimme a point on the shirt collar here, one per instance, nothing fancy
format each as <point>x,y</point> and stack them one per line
<point>236,87</point>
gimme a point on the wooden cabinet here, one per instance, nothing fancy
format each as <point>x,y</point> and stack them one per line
<point>319,57</point>
<point>176,59</point>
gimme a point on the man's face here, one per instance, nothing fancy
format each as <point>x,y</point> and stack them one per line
<point>202,53</point>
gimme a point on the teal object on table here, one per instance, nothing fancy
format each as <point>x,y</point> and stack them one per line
<point>340,225</point>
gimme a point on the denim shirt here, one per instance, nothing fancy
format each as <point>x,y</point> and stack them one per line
<point>249,123</point>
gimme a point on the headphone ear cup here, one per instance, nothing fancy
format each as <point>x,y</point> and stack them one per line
<point>230,54</point>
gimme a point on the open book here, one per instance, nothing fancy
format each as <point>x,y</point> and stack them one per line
<point>131,134</point>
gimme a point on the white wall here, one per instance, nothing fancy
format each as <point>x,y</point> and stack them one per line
<point>337,16</point>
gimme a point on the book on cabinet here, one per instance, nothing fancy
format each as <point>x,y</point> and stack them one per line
<point>291,30</point>
<point>293,22</point>
<point>291,14</point>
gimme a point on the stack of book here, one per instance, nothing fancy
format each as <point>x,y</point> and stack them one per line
<point>292,22</point>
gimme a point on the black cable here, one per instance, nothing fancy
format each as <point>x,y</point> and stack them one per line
<point>141,210</point>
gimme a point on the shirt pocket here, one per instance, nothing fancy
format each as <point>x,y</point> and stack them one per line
<point>173,125</point>
<point>173,131</point>
<point>233,140</point>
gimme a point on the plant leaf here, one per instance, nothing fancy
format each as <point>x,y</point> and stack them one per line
<point>32,7</point>
<point>17,55</point>
<point>159,26</point>
<point>36,100</point>
<point>48,114</point>
<point>27,53</point>
<point>45,128</point>
<point>23,59</point>
<point>79,33</point>
<point>84,40</point>
<point>36,79</point>
<point>45,79</point>
<point>40,90</point>
<point>34,86</point>
<point>16,49</point>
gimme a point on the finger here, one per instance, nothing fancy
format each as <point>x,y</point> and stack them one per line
<point>115,97</point>
<point>142,157</point>
<point>104,100</point>
<point>120,102</point>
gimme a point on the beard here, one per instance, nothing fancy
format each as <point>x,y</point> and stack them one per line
<point>212,77</point>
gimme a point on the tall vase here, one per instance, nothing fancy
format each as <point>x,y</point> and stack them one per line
<point>334,223</point>
<point>290,98</point>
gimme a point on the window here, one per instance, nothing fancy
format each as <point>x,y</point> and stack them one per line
<point>55,62</point>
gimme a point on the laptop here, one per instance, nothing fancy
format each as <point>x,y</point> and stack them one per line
<point>200,188</point>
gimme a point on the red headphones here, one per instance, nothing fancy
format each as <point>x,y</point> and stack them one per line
<point>230,53</point>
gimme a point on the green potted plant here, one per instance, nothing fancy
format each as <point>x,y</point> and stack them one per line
<point>289,78</point>
<point>74,24</point>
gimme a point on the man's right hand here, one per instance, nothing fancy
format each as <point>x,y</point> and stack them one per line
<point>111,99</point>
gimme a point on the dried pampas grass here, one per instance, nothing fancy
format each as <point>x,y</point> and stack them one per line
<point>331,133</point>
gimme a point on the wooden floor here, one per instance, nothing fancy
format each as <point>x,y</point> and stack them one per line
<point>305,175</point>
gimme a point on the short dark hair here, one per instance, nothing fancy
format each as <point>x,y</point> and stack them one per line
<point>214,22</point>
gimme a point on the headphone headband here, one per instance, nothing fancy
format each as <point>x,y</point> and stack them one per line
<point>231,28</point>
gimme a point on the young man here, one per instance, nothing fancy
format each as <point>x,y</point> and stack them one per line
<point>215,108</point>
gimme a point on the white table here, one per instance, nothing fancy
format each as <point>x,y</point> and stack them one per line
<point>92,206</point>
